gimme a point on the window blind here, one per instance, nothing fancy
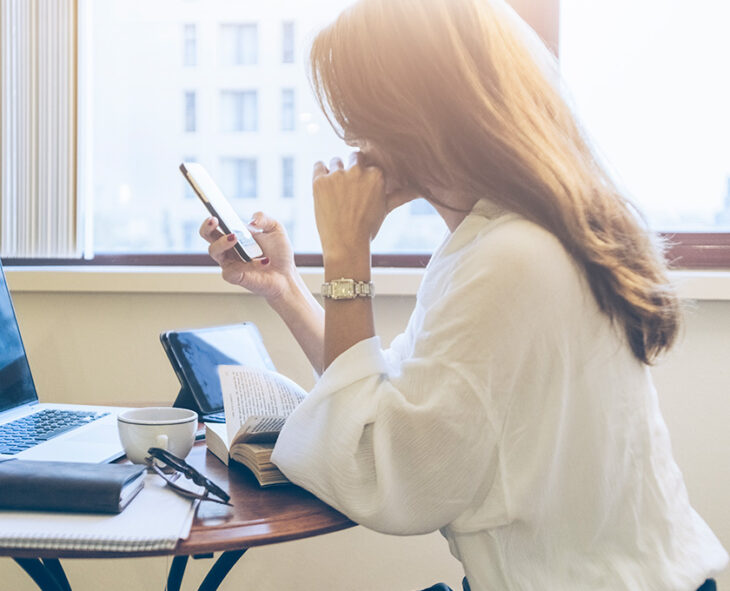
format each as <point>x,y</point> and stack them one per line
<point>38,209</point>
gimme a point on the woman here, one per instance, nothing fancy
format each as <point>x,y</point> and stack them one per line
<point>516,413</point>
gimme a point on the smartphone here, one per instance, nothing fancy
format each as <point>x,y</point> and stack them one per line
<point>217,204</point>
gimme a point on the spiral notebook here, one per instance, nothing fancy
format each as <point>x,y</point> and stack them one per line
<point>156,519</point>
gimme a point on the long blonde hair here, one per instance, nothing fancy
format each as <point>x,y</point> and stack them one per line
<point>462,95</point>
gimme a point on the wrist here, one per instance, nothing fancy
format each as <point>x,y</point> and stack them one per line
<point>293,290</point>
<point>352,266</point>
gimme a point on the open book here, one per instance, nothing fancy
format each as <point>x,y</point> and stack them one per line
<point>256,404</point>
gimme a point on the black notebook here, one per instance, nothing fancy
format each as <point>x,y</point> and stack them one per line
<point>68,486</point>
<point>195,355</point>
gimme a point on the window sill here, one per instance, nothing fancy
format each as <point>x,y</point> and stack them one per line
<point>203,280</point>
<point>693,285</point>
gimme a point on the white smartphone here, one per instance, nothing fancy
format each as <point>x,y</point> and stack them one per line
<point>217,205</point>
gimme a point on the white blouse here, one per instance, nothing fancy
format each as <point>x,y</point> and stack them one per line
<point>511,415</point>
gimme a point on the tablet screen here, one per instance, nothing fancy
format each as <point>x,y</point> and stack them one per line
<point>199,352</point>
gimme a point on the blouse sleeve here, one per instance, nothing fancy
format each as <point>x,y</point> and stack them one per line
<point>399,453</point>
<point>406,447</point>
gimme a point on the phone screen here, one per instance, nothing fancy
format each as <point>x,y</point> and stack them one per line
<point>217,204</point>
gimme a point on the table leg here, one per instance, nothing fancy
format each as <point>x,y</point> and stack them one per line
<point>53,565</point>
<point>177,570</point>
<point>220,569</point>
<point>42,575</point>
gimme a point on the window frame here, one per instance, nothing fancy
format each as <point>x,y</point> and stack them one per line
<point>685,250</point>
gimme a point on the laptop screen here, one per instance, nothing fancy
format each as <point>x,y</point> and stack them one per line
<point>16,383</point>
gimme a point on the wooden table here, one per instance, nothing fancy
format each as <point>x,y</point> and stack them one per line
<point>259,516</point>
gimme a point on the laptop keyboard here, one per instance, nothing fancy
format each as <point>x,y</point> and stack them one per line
<point>30,430</point>
<point>215,417</point>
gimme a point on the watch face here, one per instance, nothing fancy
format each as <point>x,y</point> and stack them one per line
<point>343,289</point>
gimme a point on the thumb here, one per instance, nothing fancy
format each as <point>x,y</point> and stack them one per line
<point>260,222</point>
<point>399,197</point>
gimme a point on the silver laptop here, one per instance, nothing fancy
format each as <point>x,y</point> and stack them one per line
<point>30,430</point>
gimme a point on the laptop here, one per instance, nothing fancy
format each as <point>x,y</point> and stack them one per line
<point>31,430</point>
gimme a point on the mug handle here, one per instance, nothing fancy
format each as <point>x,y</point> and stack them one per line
<point>161,441</point>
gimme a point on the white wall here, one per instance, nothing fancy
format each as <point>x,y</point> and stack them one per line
<point>103,347</point>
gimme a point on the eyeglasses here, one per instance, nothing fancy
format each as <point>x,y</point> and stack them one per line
<point>181,467</point>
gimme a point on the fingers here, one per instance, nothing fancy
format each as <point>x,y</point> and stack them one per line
<point>209,230</point>
<point>262,222</point>
<point>320,170</point>
<point>261,225</point>
<point>219,248</point>
<point>354,159</point>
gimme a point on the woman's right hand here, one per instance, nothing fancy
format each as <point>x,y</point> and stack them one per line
<point>270,276</point>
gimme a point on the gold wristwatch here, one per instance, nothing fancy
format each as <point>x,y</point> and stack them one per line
<point>347,289</point>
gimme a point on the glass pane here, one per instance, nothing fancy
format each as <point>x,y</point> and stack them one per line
<point>239,110</point>
<point>287,109</point>
<point>189,45</point>
<point>189,111</point>
<point>649,80</point>
<point>239,178</point>
<point>287,42</point>
<point>257,129</point>
<point>239,44</point>
<point>287,177</point>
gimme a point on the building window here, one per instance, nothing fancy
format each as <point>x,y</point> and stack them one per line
<point>287,177</point>
<point>190,45</point>
<point>287,42</point>
<point>190,118</point>
<point>239,44</point>
<point>239,177</point>
<point>287,109</point>
<point>239,110</point>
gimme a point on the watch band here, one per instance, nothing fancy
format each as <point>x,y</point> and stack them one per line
<point>347,289</point>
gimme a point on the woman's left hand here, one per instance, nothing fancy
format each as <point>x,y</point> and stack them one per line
<point>350,205</point>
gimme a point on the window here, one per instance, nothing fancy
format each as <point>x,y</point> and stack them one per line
<point>190,47</point>
<point>239,110</point>
<point>287,177</point>
<point>657,108</point>
<point>239,44</point>
<point>287,109</point>
<point>239,178</point>
<point>422,207</point>
<point>190,119</point>
<point>190,238</point>
<point>287,42</point>
<point>151,59</point>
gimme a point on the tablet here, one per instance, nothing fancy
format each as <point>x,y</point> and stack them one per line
<point>195,355</point>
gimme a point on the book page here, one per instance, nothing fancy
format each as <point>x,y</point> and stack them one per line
<point>251,396</point>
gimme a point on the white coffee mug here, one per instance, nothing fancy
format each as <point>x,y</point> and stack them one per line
<point>170,428</point>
